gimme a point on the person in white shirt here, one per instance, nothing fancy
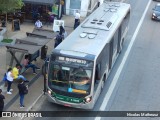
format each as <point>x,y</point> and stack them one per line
<point>38,24</point>
<point>77,19</point>
<point>100,2</point>
<point>9,80</point>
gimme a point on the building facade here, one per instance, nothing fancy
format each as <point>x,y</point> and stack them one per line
<point>84,6</point>
<point>35,8</point>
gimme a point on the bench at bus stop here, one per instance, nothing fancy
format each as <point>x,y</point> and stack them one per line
<point>34,45</point>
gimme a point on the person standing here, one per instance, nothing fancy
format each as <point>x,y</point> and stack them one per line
<point>62,9</point>
<point>38,24</point>
<point>1,102</point>
<point>22,88</point>
<point>98,3</point>
<point>61,29</point>
<point>9,80</point>
<point>77,19</point>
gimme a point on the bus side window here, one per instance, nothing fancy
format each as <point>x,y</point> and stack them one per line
<point>97,72</point>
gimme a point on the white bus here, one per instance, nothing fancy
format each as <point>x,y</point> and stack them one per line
<point>79,66</point>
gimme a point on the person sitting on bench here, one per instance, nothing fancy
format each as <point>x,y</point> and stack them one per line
<point>15,73</point>
<point>27,64</point>
<point>38,24</point>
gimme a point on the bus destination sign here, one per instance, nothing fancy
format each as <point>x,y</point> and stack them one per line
<point>72,60</point>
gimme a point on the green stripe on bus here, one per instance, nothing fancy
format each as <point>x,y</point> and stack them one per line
<point>68,99</point>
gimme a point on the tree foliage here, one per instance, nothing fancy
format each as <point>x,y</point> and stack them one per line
<point>10,5</point>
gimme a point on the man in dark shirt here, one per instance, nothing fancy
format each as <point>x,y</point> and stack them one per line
<point>61,29</point>
<point>22,88</point>
<point>1,102</point>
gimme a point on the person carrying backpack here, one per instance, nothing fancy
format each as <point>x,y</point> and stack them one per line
<point>77,19</point>
<point>23,89</point>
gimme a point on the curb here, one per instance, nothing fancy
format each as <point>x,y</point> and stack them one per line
<point>7,105</point>
<point>30,107</point>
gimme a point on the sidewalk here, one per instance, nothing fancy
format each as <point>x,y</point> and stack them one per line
<point>36,86</point>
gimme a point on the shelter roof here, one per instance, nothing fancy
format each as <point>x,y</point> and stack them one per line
<point>33,42</point>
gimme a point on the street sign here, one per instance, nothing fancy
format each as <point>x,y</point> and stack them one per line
<point>56,25</point>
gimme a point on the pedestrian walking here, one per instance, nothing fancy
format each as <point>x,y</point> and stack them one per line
<point>77,19</point>
<point>23,89</point>
<point>16,74</point>
<point>9,81</point>
<point>1,102</point>
<point>100,2</point>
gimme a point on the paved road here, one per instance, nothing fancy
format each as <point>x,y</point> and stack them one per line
<point>136,88</point>
<point>133,23</point>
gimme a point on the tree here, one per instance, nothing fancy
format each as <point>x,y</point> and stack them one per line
<point>7,6</point>
<point>10,5</point>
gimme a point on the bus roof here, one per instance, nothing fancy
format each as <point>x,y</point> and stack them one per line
<point>96,30</point>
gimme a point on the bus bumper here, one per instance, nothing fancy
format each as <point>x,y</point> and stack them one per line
<point>68,104</point>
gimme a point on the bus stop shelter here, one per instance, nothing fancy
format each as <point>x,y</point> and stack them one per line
<point>34,45</point>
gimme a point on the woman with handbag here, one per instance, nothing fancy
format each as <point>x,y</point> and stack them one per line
<point>23,89</point>
<point>5,79</point>
<point>9,76</point>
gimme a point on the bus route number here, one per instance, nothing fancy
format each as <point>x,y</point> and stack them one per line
<point>72,60</point>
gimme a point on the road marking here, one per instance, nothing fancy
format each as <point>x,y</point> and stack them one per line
<point>118,72</point>
<point>31,106</point>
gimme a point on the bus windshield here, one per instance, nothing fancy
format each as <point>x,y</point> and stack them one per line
<point>70,79</point>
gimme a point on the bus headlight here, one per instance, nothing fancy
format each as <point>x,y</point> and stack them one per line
<point>154,14</point>
<point>87,100</point>
<point>49,92</point>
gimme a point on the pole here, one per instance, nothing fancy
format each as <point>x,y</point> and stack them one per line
<point>59,11</point>
<point>44,75</point>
